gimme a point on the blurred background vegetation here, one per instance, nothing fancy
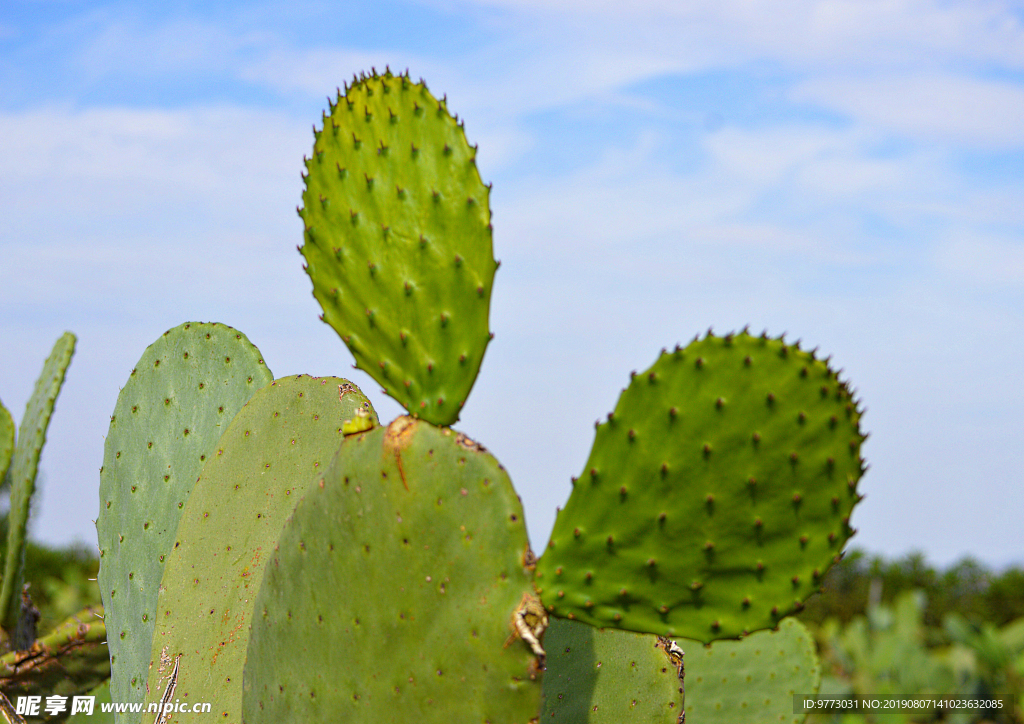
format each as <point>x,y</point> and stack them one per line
<point>903,629</point>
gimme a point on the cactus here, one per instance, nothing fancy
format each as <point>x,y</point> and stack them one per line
<point>183,392</point>
<point>22,473</point>
<point>324,567</point>
<point>268,455</point>
<point>398,242</point>
<point>605,675</point>
<point>409,557</point>
<point>884,655</point>
<point>70,660</point>
<point>754,680</point>
<point>6,441</point>
<point>716,495</point>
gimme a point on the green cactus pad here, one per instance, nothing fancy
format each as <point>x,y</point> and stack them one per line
<point>605,675</point>
<point>391,594</point>
<point>6,441</point>
<point>753,680</point>
<point>269,455</point>
<point>22,474</point>
<point>398,242</point>
<point>716,495</point>
<point>171,412</point>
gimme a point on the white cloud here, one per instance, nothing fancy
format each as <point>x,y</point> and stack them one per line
<point>101,161</point>
<point>968,111</point>
<point>130,46</point>
<point>864,33</point>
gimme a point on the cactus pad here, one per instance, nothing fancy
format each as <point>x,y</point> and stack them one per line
<point>753,680</point>
<point>6,440</point>
<point>398,242</point>
<point>391,594</point>
<point>173,409</point>
<point>22,474</point>
<point>268,456</point>
<point>716,495</point>
<point>605,675</point>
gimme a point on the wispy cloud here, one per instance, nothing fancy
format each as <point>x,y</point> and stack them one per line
<point>968,111</point>
<point>97,162</point>
<point>827,33</point>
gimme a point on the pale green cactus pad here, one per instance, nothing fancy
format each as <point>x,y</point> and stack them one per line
<point>608,676</point>
<point>22,474</point>
<point>398,242</point>
<point>269,455</point>
<point>753,680</point>
<point>716,495</point>
<point>392,593</point>
<point>178,401</point>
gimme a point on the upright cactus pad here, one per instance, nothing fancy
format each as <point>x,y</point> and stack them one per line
<point>753,680</point>
<point>6,440</point>
<point>173,409</point>
<point>598,676</point>
<point>398,242</point>
<point>716,495</point>
<point>22,474</point>
<point>392,592</point>
<point>267,458</point>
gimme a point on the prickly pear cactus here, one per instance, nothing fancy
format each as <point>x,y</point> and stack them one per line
<point>6,440</point>
<point>597,676</point>
<point>393,592</point>
<point>68,661</point>
<point>753,680</point>
<point>267,458</point>
<point>716,495</point>
<point>177,402</point>
<point>22,474</point>
<point>398,242</point>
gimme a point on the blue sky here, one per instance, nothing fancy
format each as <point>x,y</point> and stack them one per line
<point>851,173</point>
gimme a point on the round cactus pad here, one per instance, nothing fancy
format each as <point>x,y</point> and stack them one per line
<point>171,412</point>
<point>268,456</point>
<point>398,242</point>
<point>392,591</point>
<point>716,495</point>
<point>753,680</point>
<point>597,676</point>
